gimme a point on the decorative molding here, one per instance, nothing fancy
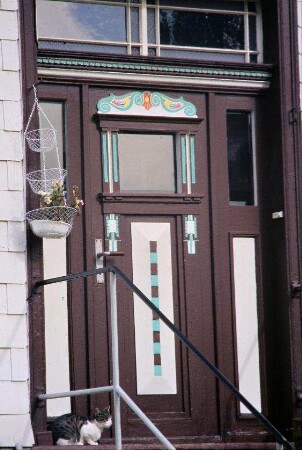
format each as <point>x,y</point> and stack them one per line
<point>146,104</point>
<point>153,68</point>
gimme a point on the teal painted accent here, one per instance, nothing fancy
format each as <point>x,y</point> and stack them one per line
<point>154,280</point>
<point>183,159</point>
<point>141,67</point>
<point>105,158</point>
<point>146,101</point>
<point>191,247</point>
<point>191,233</point>
<point>153,257</point>
<point>155,301</point>
<point>112,231</point>
<point>157,371</point>
<point>156,326</point>
<point>156,348</point>
<point>192,157</point>
<point>115,157</point>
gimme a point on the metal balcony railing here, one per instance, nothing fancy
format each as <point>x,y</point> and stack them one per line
<point>118,393</point>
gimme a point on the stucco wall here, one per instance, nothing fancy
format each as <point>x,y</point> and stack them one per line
<point>14,367</point>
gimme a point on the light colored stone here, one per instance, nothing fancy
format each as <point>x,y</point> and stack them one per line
<point>16,237</point>
<point>12,206</point>
<point>3,299</point>
<point>16,298</point>
<point>9,5</point>
<point>11,145</point>
<point>3,176</point>
<point>14,397</point>
<point>12,268</point>
<point>13,333</point>
<point>8,24</point>
<point>12,116</point>
<point>1,103</point>
<point>16,429</point>
<point>5,365</point>
<point>0,51</point>
<point>15,176</point>
<point>3,237</point>
<point>19,359</point>
<point>10,87</point>
<point>10,55</point>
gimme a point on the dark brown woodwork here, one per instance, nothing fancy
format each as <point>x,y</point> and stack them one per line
<point>206,408</point>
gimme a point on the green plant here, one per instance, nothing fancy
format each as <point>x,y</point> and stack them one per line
<point>57,197</point>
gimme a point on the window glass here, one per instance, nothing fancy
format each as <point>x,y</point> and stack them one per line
<point>240,158</point>
<point>206,30</point>
<point>134,25</point>
<point>206,4</point>
<point>147,162</point>
<point>55,113</point>
<point>81,21</point>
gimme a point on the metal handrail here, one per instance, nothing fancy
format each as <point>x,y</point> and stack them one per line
<point>280,439</point>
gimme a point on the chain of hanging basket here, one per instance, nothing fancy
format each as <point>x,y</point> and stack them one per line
<point>48,221</point>
<point>43,140</point>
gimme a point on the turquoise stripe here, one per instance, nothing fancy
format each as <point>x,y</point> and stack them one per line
<point>183,159</point>
<point>105,158</point>
<point>153,258</point>
<point>156,348</point>
<point>115,157</point>
<point>192,154</point>
<point>155,301</point>
<point>157,371</point>
<point>155,324</point>
<point>154,280</point>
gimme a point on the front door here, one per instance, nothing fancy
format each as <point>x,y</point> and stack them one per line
<point>170,182</point>
<point>150,201</point>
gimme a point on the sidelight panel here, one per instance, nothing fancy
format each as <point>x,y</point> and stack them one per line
<point>245,283</point>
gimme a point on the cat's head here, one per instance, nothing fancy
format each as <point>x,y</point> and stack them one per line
<point>103,418</point>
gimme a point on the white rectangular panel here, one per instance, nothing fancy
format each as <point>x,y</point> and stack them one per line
<point>56,326</point>
<point>247,320</point>
<point>151,378</point>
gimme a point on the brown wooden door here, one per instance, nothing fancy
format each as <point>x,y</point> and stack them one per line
<point>152,228</point>
<point>182,233</point>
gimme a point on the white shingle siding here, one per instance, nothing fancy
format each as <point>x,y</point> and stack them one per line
<point>15,425</point>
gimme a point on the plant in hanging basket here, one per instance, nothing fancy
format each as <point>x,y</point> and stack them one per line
<point>54,219</point>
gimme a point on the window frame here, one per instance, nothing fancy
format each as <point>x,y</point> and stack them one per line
<point>182,128</point>
<point>144,48</point>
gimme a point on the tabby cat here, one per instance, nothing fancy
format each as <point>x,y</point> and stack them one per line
<point>73,429</point>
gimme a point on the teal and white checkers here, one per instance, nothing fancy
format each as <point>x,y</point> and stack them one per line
<point>157,366</point>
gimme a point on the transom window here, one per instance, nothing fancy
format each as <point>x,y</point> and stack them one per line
<point>217,30</point>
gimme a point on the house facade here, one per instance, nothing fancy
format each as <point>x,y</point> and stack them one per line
<point>179,123</point>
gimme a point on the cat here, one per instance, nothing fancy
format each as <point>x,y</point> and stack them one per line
<point>73,429</point>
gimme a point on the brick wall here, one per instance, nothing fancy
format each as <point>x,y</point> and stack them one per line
<point>14,366</point>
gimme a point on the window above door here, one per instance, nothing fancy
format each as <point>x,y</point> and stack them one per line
<point>206,30</point>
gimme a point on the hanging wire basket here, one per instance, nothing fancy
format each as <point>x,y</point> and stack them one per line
<point>42,139</point>
<point>42,180</point>
<point>51,222</point>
